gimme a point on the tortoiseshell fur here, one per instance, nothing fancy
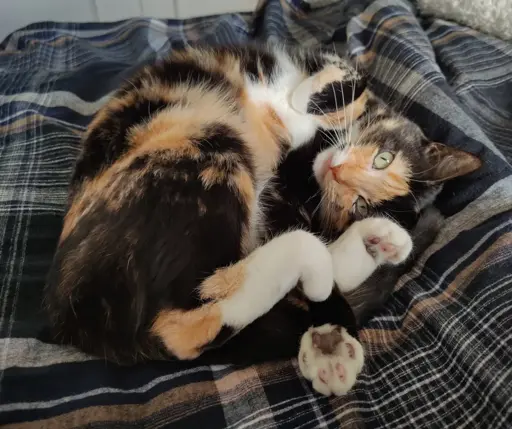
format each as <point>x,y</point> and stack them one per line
<point>165,194</point>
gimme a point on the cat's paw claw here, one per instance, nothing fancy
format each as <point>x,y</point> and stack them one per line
<point>331,359</point>
<point>385,241</point>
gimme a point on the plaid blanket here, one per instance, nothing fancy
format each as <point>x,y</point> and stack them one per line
<point>439,353</point>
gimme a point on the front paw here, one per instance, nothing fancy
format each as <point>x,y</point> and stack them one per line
<point>385,240</point>
<point>331,359</point>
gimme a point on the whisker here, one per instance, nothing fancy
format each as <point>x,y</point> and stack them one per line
<point>344,113</point>
<point>331,123</point>
<point>313,196</point>
<point>352,105</point>
<point>338,136</point>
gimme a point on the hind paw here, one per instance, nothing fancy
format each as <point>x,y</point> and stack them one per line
<point>331,359</point>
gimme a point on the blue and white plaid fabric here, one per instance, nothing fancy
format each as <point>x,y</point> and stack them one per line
<point>439,353</point>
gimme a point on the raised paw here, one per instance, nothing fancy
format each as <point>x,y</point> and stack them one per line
<point>385,241</point>
<point>331,359</point>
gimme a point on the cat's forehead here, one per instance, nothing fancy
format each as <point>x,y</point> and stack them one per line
<point>391,132</point>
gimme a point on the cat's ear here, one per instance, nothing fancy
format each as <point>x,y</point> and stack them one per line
<point>448,162</point>
<point>329,90</point>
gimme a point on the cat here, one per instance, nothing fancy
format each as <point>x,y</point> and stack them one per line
<point>163,250</point>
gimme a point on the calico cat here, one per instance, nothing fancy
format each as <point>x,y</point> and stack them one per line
<point>163,250</point>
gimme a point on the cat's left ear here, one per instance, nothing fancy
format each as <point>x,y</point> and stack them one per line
<point>330,90</point>
<point>448,162</point>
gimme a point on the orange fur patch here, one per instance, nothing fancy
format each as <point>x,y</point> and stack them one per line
<point>242,183</point>
<point>184,333</point>
<point>168,130</point>
<point>356,177</point>
<point>224,282</point>
<point>85,198</point>
<point>264,133</point>
<point>212,176</point>
<point>70,220</point>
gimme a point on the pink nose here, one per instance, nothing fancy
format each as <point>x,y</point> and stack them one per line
<point>334,168</point>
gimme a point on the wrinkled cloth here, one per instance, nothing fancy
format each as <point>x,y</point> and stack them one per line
<point>439,354</point>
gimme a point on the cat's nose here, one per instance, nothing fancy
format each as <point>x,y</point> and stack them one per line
<point>337,174</point>
<point>335,169</point>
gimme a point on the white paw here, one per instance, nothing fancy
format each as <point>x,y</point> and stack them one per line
<point>385,241</point>
<point>331,359</point>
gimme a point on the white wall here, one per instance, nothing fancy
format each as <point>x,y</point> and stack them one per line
<point>18,13</point>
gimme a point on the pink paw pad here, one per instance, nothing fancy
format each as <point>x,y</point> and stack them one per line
<point>323,376</point>
<point>373,239</point>
<point>351,351</point>
<point>340,370</point>
<point>388,248</point>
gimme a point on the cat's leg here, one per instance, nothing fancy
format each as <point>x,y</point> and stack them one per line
<point>366,245</point>
<point>272,270</point>
<point>237,295</point>
<point>335,94</point>
<point>329,356</point>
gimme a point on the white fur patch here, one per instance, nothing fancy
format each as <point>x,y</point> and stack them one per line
<point>273,270</point>
<point>339,157</point>
<point>364,246</point>
<point>322,163</point>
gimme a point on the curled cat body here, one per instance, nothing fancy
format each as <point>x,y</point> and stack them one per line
<point>164,250</point>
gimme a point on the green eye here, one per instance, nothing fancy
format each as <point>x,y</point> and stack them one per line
<point>382,160</point>
<point>361,207</point>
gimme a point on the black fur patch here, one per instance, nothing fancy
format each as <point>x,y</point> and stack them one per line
<point>256,61</point>
<point>107,143</point>
<point>313,62</point>
<point>221,139</point>
<point>334,96</point>
<point>172,72</point>
<point>297,189</point>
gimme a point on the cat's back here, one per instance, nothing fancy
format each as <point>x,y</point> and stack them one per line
<point>163,193</point>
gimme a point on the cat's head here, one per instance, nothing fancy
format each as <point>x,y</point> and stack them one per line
<point>384,161</point>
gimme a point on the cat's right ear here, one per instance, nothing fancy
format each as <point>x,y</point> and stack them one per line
<point>330,90</point>
<point>448,162</point>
